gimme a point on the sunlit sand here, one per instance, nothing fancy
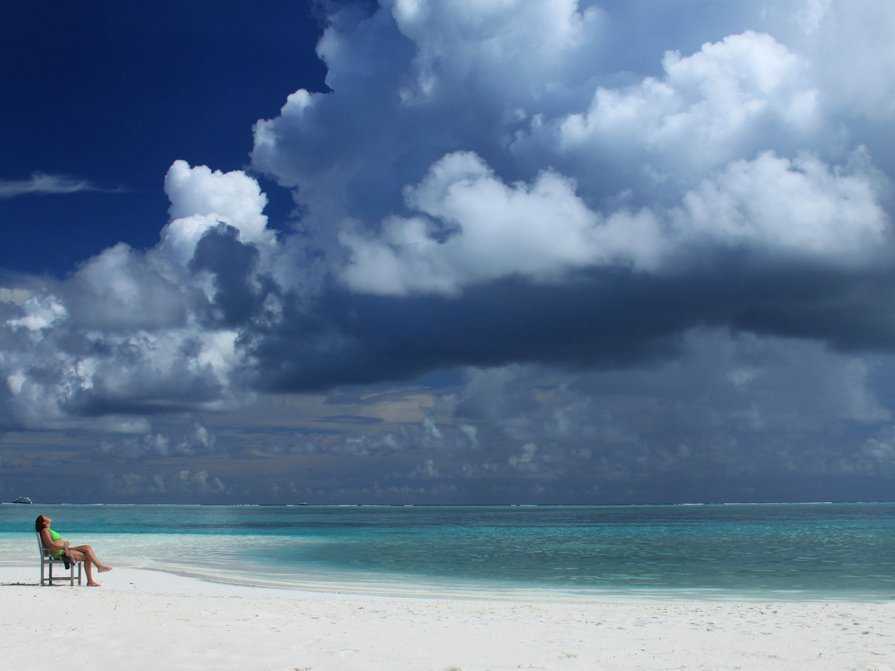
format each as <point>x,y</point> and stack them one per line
<point>145,619</point>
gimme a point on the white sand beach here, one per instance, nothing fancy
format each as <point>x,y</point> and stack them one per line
<point>144,619</point>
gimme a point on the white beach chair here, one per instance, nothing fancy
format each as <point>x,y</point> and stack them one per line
<point>46,566</point>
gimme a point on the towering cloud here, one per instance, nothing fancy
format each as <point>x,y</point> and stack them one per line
<point>515,189</point>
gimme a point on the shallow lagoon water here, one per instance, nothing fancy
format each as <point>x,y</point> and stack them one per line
<point>831,550</point>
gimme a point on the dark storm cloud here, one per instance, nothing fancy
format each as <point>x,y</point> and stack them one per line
<point>608,320</point>
<point>239,293</point>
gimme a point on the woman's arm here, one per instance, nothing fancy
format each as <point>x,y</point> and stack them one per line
<point>50,544</point>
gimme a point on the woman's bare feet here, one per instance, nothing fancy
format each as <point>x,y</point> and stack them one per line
<point>94,584</point>
<point>103,568</point>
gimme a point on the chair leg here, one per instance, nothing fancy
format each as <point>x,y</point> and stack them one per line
<point>42,562</point>
<point>50,567</point>
<point>80,566</point>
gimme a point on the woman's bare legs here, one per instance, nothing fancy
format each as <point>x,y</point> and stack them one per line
<point>87,550</point>
<point>77,555</point>
<point>86,554</point>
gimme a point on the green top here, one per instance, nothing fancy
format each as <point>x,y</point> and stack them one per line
<point>56,554</point>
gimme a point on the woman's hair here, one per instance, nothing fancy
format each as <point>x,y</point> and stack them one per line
<point>40,523</point>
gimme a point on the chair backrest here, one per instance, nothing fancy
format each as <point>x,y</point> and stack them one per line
<point>41,550</point>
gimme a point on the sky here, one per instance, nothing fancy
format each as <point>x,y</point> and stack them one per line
<point>446,252</point>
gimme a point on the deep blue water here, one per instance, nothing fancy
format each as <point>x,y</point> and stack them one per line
<point>833,549</point>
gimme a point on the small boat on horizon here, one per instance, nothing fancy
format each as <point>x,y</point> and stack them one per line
<point>22,499</point>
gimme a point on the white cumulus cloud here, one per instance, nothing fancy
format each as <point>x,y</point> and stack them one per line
<point>722,102</point>
<point>472,227</point>
<point>201,198</point>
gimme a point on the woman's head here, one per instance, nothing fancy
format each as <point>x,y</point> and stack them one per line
<point>41,522</point>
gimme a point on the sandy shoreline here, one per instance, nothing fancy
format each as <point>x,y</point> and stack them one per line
<point>148,620</point>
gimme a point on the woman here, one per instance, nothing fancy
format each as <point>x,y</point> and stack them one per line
<point>60,547</point>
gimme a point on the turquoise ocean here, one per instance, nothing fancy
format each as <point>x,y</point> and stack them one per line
<point>731,550</point>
